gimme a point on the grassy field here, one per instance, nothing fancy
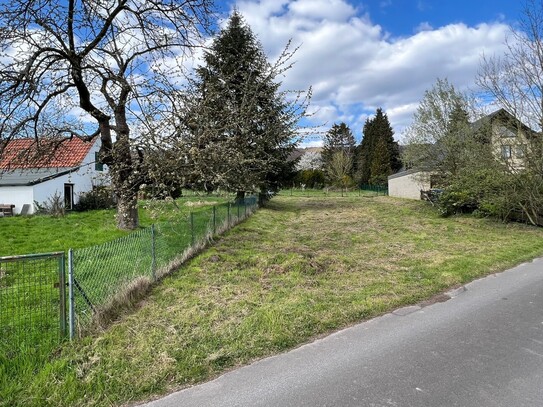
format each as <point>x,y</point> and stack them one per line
<point>44,234</point>
<point>327,192</point>
<point>29,293</point>
<point>297,269</point>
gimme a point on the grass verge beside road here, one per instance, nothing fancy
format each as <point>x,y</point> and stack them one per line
<point>297,269</point>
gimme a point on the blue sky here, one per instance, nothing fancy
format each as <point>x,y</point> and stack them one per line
<point>360,55</point>
<point>403,17</point>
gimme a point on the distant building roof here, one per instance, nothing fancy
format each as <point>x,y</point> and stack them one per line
<point>503,116</point>
<point>45,153</point>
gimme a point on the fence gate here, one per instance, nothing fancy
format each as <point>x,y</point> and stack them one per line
<point>32,301</point>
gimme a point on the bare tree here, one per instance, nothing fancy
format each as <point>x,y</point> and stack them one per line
<point>515,79</point>
<point>339,169</point>
<point>92,68</point>
<point>515,82</point>
<point>440,139</point>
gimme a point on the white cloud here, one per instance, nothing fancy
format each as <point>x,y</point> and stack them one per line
<point>330,10</point>
<point>355,67</point>
<point>424,26</point>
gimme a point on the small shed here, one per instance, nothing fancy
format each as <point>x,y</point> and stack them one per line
<point>408,184</point>
<point>32,172</point>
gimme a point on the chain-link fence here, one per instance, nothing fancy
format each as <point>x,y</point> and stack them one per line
<point>32,302</point>
<point>40,303</point>
<point>106,277</point>
<point>327,192</point>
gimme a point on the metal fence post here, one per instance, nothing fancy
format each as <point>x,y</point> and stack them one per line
<point>238,210</point>
<point>214,220</point>
<point>62,288</point>
<point>192,228</point>
<point>244,209</point>
<point>71,299</point>
<point>228,215</point>
<point>153,252</point>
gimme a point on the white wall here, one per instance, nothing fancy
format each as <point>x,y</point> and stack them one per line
<point>17,196</point>
<point>47,189</point>
<point>408,184</point>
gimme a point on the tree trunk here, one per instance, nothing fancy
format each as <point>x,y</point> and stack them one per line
<point>123,176</point>
<point>262,198</point>
<point>240,196</point>
<point>127,211</point>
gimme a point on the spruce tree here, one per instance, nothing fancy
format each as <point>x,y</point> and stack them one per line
<point>242,129</point>
<point>338,139</point>
<point>376,129</point>
<point>380,163</point>
<point>457,137</point>
<point>365,151</point>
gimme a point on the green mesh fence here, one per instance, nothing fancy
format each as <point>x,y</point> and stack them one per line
<point>377,189</point>
<point>105,273</point>
<point>32,302</point>
<point>363,191</point>
<point>100,270</point>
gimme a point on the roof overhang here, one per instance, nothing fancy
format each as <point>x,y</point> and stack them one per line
<point>30,177</point>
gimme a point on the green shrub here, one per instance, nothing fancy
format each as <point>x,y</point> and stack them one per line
<point>100,197</point>
<point>483,191</point>
<point>312,179</point>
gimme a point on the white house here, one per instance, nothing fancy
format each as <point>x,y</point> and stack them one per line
<point>32,173</point>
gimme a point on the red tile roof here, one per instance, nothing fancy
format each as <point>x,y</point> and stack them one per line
<point>47,153</point>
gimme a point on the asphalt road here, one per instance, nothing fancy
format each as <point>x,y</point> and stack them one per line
<point>483,347</point>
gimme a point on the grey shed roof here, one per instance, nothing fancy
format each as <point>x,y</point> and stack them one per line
<point>29,177</point>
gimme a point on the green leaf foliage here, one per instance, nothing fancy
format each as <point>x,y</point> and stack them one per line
<point>378,154</point>
<point>242,128</point>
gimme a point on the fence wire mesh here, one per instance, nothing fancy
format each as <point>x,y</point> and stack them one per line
<point>106,274</point>
<point>32,302</point>
<point>362,191</point>
<point>100,270</point>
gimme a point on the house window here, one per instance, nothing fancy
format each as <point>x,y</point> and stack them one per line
<point>506,152</point>
<point>98,165</point>
<point>68,196</point>
<point>505,132</point>
<point>520,151</point>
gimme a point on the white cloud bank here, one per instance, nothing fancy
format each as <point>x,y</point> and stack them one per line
<point>354,66</point>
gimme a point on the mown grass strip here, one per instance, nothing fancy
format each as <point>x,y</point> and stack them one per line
<point>295,270</point>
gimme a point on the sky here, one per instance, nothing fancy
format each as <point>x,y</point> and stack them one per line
<point>359,55</point>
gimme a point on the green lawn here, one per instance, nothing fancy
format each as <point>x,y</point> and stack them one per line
<point>44,234</point>
<point>328,192</point>
<point>297,269</point>
<point>29,288</point>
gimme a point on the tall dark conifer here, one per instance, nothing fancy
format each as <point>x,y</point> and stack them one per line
<point>376,129</point>
<point>242,127</point>
<point>380,164</point>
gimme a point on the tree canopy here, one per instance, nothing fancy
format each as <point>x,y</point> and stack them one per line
<point>514,81</point>
<point>339,139</point>
<point>378,154</point>
<point>88,69</point>
<point>241,127</point>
